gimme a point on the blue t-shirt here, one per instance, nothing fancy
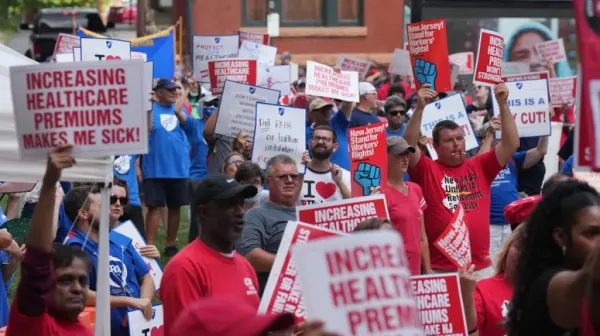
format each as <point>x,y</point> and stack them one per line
<point>64,224</point>
<point>400,132</point>
<point>124,168</point>
<point>4,259</point>
<point>193,129</point>
<point>168,148</point>
<point>309,134</point>
<point>126,267</point>
<point>360,118</point>
<point>504,188</point>
<point>568,167</point>
<point>339,124</point>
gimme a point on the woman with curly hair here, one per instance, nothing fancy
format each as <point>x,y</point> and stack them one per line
<point>559,265</point>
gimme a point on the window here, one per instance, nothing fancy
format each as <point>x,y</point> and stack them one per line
<point>304,13</point>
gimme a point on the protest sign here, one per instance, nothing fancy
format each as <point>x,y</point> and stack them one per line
<point>212,48</point>
<point>428,48</point>
<point>343,216</point>
<point>449,108</point>
<point>592,178</point>
<point>465,62</point>
<point>282,291</point>
<point>139,56</point>
<point>293,72</point>
<point>65,43</point>
<point>323,81</point>
<point>77,54</point>
<point>358,284</point>
<point>139,326</point>
<point>368,158</point>
<point>279,130</point>
<point>552,51</point>
<point>562,90</point>
<point>455,241</point>
<point>276,77</point>
<point>93,49</point>
<point>148,83</point>
<point>263,54</point>
<point>514,68</point>
<point>529,103</point>
<point>440,304</point>
<point>349,63</point>
<point>64,58</point>
<point>400,63</point>
<point>129,230</point>
<point>488,68</point>
<point>259,38</point>
<point>15,187</point>
<point>238,106</point>
<point>237,70</point>
<point>96,106</point>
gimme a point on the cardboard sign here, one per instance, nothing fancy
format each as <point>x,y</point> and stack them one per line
<point>552,51</point>
<point>93,49</point>
<point>64,58</point>
<point>428,47</point>
<point>529,103</point>
<point>276,77</point>
<point>139,326</point>
<point>77,54</point>
<point>358,284</point>
<point>129,230</point>
<point>139,56</point>
<point>343,216</point>
<point>488,68</point>
<point>212,48</point>
<point>440,304</point>
<point>562,90</point>
<point>148,83</point>
<point>238,106</point>
<point>279,130</point>
<point>449,108</point>
<point>65,43</point>
<point>15,187</point>
<point>96,106</point>
<point>368,158</point>
<point>455,242</point>
<point>592,178</point>
<point>263,54</point>
<point>259,38</point>
<point>465,62</point>
<point>323,81</point>
<point>400,63</point>
<point>514,68</point>
<point>237,70</point>
<point>282,291</point>
<point>349,63</point>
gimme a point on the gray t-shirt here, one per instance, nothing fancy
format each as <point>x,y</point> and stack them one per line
<point>263,228</point>
<point>222,148</point>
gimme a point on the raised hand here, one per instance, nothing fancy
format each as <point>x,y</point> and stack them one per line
<point>425,72</point>
<point>368,177</point>
<point>425,95</point>
<point>501,93</point>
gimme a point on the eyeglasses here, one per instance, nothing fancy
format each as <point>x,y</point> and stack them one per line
<point>235,162</point>
<point>287,177</point>
<point>122,200</point>
<point>318,139</point>
<point>396,112</point>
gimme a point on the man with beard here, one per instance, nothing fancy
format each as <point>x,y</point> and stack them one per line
<point>131,285</point>
<point>324,181</point>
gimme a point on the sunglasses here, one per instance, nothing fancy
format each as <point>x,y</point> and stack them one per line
<point>235,162</point>
<point>396,112</point>
<point>286,177</point>
<point>122,200</point>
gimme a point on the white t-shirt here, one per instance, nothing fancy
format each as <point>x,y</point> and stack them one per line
<point>320,187</point>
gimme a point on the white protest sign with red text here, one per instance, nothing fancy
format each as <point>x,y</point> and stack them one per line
<point>488,68</point>
<point>211,48</point>
<point>259,38</point>
<point>263,54</point>
<point>96,106</point>
<point>455,242</point>
<point>77,54</point>
<point>276,77</point>
<point>562,90</point>
<point>343,216</point>
<point>93,49</point>
<point>64,58</point>
<point>323,81</point>
<point>349,63</point>
<point>65,43</point>
<point>358,284</point>
<point>400,63</point>
<point>552,51</point>
<point>237,70</point>
<point>440,304</point>
<point>282,292</point>
<point>139,56</point>
<point>139,326</point>
<point>465,62</point>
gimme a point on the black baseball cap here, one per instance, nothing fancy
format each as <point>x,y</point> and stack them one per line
<point>221,188</point>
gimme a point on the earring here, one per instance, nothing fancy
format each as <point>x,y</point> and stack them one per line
<point>564,249</point>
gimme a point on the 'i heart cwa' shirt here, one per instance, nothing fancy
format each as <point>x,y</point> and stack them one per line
<point>319,187</point>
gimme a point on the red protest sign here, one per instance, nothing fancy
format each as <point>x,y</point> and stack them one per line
<point>259,38</point>
<point>488,68</point>
<point>282,292</point>
<point>237,70</point>
<point>455,242</point>
<point>15,187</point>
<point>562,90</point>
<point>65,43</point>
<point>345,215</point>
<point>440,304</point>
<point>368,158</point>
<point>428,47</point>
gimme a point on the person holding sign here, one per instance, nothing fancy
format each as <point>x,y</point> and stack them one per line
<point>453,179</point>
<point>362,114</point>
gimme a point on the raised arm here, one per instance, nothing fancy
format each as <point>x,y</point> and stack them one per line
<point>181,116</point>
<point>488,141</point>
<point>209,128</point>
<point>536,154</point>
<point>509,143</point>
<point>413,129</point>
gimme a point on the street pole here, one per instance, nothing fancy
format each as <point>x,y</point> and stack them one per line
<point>140,24</point>
<point>189,29</point>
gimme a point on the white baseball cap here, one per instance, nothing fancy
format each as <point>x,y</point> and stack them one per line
<point>366,87</point>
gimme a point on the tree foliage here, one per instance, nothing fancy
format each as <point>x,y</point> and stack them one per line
<point>12,10</point>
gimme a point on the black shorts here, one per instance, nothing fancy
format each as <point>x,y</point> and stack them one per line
<point>163,191</point>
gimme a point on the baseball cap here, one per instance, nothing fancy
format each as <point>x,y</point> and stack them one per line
<point>366,87</point>
<point>225,316</point>
<point>165,83</point>
<point>397,145</point>
<point>286,56</point>
<point>518,211</point>
<point>220,188</point>
<point>318,103</point>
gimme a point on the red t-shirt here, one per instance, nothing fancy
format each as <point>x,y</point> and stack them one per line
<point>443,187</point>
<point>405,215</point>
<point>198,271</point>
<point>42,325</point>
<point>586,328</point>
<point>492,297</point>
